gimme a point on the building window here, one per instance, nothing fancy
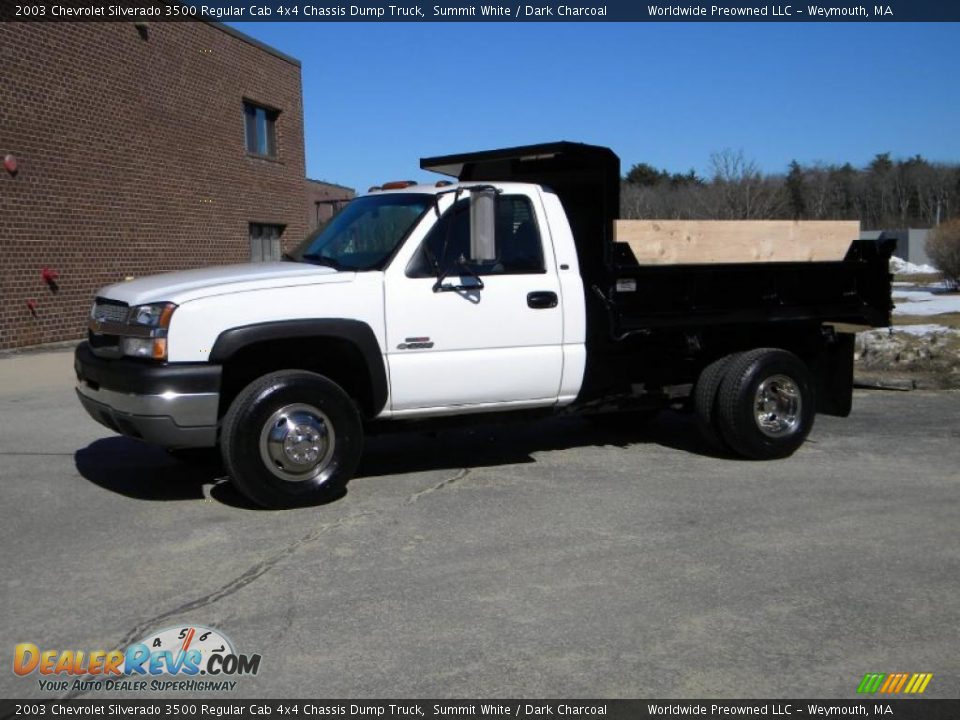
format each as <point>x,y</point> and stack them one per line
<point>261,130</point>
<point>265,242</point>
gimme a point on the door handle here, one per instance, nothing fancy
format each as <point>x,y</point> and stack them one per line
<point>542,299</point>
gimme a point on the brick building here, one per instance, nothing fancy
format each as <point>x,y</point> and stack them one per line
<point>324,199</point>
<point>138,148</point>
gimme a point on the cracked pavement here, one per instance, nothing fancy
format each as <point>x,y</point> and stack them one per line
<point>522,560</point>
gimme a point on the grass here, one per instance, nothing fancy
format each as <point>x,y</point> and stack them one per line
<point>919,278</point>
<point>950,320</point>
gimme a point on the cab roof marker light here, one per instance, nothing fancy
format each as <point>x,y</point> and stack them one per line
<point>398,184</point>
<point>543,156</point>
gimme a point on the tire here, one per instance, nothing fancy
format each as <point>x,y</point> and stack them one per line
<point>291,438</point>
<point>775,429</point>
<point>705,395</point>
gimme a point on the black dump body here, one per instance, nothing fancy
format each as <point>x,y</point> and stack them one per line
<point>855,290</point>
<point>587,180</point>
<point>681,316</point>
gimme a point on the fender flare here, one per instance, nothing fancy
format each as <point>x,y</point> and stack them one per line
<point>357,333</point>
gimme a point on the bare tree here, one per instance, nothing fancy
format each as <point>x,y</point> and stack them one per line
<point>943,247</point>
<point>742,190</point>
<point>887,193</point>
<point>818,192</point>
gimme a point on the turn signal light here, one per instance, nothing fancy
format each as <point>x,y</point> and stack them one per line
<point>159,348</point>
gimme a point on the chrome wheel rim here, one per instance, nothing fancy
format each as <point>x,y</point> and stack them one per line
<point>777,406</point>
<point>297,442</point>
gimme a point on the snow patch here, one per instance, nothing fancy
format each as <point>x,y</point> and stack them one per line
<point>924,330</point>
<point>902,267</point>
<point>923,302</point>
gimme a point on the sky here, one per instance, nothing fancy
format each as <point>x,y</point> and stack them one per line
<point>379,96</point>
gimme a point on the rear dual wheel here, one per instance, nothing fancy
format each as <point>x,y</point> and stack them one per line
<point>760,404</point>
<point>705,401</point>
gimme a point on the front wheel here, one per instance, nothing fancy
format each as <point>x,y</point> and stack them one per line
<point>765,405</point>
<point>291,438</point>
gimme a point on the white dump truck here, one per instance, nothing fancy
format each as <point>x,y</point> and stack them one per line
<point>500,291</point>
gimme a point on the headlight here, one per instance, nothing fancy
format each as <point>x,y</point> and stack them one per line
<point>155,315</point>
<point>148,331</point>
<point>154,348</point>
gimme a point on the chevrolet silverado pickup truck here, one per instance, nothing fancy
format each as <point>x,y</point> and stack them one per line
<point>500,291</point>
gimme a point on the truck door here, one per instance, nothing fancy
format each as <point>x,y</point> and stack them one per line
<point>491,333</point>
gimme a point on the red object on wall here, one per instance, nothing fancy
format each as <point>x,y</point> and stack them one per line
<point>48,275</point>
<point>32,306</point>
<point>10,163</point>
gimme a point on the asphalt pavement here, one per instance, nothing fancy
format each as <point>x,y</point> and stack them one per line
<point>548,559</point>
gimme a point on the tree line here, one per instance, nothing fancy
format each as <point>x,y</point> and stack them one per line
<point>888,193</point>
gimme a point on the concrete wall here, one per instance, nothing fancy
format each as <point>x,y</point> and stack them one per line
<point>910,243</point>
<point>915,246</point>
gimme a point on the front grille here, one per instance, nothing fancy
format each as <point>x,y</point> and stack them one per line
<point>110,310</point>
<point>98,340</point>
<point>105,346</point>
<point>106,313</point>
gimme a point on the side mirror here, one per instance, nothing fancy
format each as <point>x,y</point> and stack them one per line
<point>483,220</point>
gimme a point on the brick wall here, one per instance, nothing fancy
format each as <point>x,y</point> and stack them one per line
<point>132,161</point>
<point>323,200</point>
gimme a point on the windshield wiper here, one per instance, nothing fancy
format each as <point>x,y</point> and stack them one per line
<point>317,259</point>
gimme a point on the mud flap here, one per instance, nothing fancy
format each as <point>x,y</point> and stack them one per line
<point>833,370</point>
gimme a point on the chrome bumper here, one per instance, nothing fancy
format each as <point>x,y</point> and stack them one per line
<point>170,404</point>
<point>170,419</point>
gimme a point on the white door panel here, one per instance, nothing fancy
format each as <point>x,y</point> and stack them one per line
<point>423,378</point>
<point>495,317</point>
<point>486,345</point>
<point>480,345</point>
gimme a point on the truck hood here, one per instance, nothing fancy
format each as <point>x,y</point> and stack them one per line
<point>180,287</point>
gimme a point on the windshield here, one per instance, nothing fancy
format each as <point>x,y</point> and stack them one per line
<point>365,233</point>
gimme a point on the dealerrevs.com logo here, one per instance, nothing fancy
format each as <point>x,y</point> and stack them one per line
<point>190,659</point>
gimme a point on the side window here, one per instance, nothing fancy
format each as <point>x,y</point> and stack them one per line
<point>260,130</point>
<point>518,247</point>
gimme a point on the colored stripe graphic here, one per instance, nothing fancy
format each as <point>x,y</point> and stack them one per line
<point>889,682</point>
<point>893,683</point>
<point>918,683</point>
<point>871,683</point>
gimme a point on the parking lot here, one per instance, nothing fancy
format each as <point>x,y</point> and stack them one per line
<point>551,559</point>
